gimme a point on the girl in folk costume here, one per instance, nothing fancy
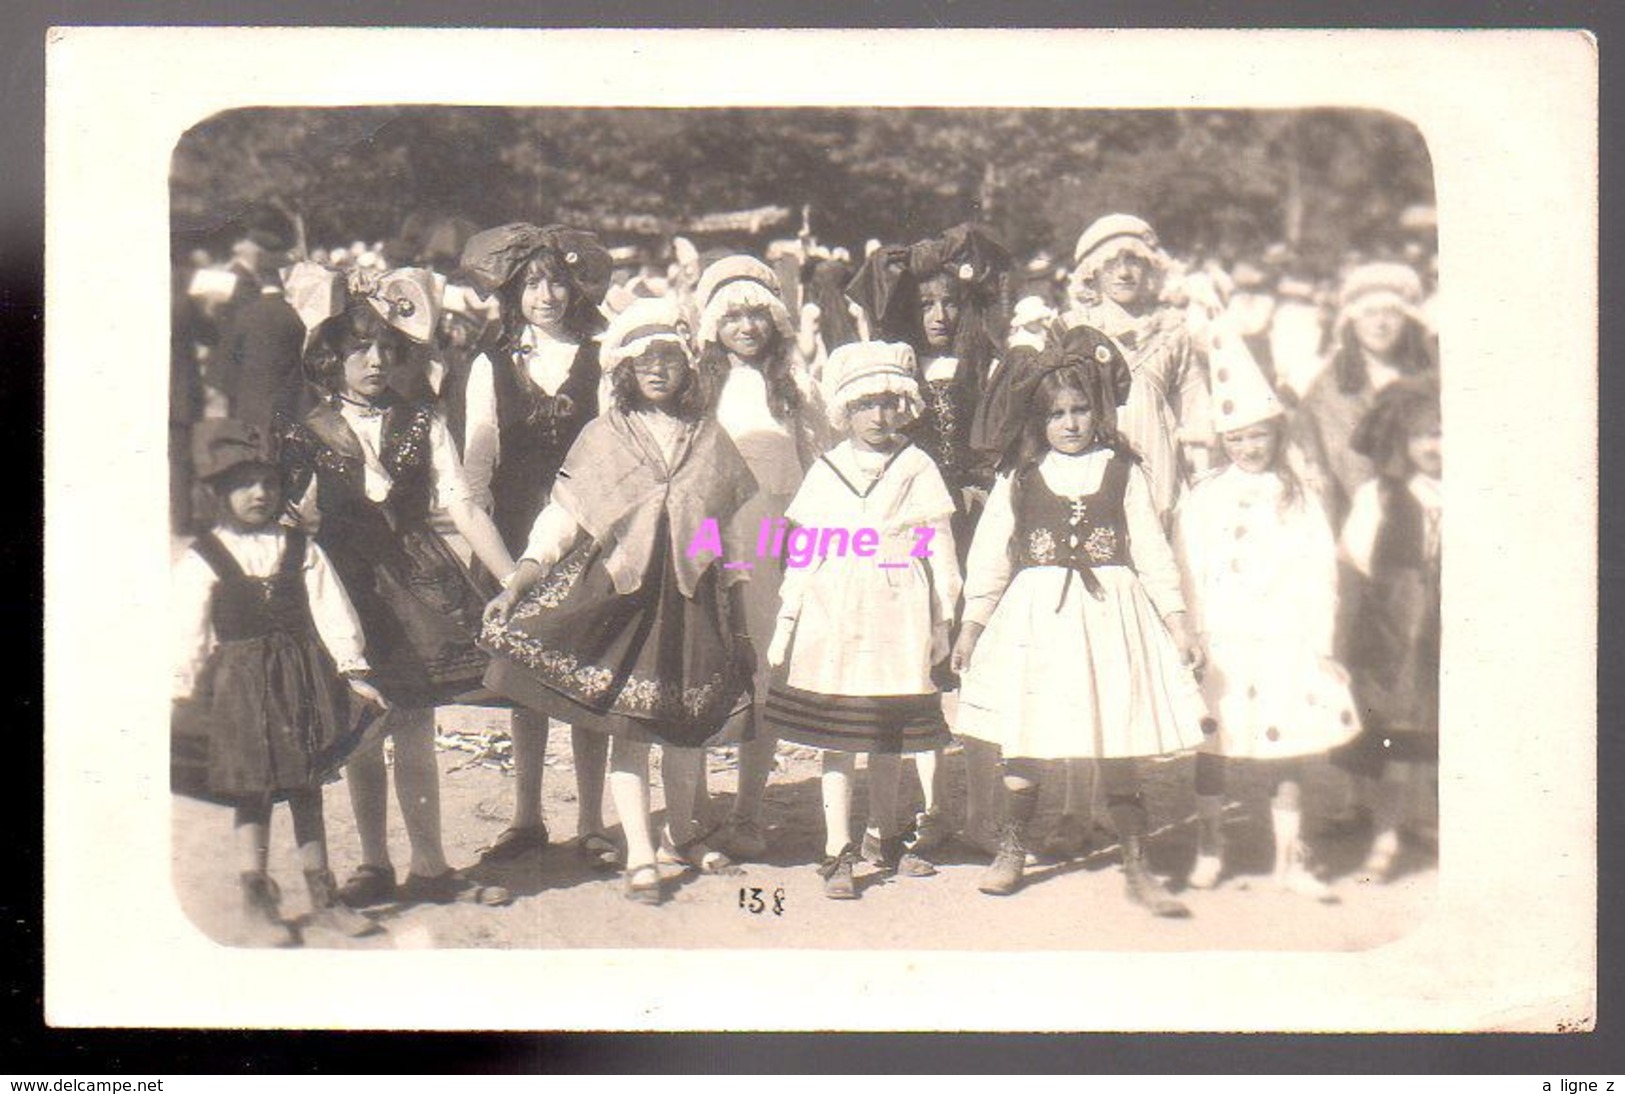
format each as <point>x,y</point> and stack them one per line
<point>1392,539</point>
<point>1380,337</point>
<point>764,404</point>
<point>265,629</point>
<point>1118,278</point>
<point>1260,567</point>
<point>860,633</point>
<point>528,398</point>
<point>1073,643</point>
<point>942,296</point>
<point>614,620</point>
<point>365,468</point>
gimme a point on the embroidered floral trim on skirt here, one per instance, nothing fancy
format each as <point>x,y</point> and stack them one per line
<point>651,662</point>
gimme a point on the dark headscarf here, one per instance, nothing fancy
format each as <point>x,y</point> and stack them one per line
<point>1402,409</point>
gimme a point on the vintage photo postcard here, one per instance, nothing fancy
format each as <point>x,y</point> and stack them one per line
<point>836,530</point>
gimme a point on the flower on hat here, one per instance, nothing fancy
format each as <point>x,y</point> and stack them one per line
<point>966,271</point>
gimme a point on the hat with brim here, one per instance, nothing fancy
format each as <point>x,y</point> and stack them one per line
<point>220,445</point>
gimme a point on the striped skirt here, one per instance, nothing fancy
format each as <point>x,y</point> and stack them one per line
<point>857,723</point>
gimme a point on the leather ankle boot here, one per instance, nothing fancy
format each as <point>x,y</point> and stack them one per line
<point>1143,886</point>
<point>328,911</point>
<point>262,920</point>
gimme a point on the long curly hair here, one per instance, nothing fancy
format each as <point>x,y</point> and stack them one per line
<point>1281,466</point>
<point>774,363</point>
<point>823,282</point>
<point>1413,356</point>
<point>697,399</point>
<point>1034,444</point>
<point>582,320</point>
<point>356,327</point>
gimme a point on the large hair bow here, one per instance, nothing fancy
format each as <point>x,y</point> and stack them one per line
<point>492,257</point>
<point>1012,397</point>
<point>1381,434</point>
<point>407,299</point>
<point>968,254</point>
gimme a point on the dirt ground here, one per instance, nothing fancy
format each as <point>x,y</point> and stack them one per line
<point>562,902</point>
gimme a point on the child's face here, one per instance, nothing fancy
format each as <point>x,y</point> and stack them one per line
<point>939,314</point>
<point>543,298</point>
<point>1252,447</point>
<point>1070,428</point>
<point>744,332</point>
<point>1124,279</point>
<point>458,331</point>
<point>364,374</point>
<point>1425,449</point>
<point>662,373</point>
<point>1378,330</point>
<point>875,422</point>
<point>253,495</point>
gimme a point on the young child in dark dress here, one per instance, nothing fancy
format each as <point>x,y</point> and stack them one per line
<point>1391,539</point>
<point>265,629</point>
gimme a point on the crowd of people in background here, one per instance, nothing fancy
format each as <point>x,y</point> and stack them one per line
<point>1175,505</point>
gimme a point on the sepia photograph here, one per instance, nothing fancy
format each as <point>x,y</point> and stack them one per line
<point>762,557</point>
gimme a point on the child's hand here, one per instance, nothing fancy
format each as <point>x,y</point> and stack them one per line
<point>744,656</point>
<point>367,693</point>
<point>501,607</point>
<point>1336,669</point>
<point>969,634</point>
<point>780,645</point>
<point>1190,650</point>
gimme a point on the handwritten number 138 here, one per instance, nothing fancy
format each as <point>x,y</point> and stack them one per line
<point>755,900</point>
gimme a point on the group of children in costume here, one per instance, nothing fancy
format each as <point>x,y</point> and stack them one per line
<point>328,611</point>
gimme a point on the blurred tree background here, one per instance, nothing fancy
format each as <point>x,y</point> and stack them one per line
<point>1215,182</point>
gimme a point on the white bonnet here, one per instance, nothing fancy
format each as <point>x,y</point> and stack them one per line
<point>739,281</point>
<point>1379,285</point>
<point>646,320</point>
<point>857,370</point>
<point>1110,236</point>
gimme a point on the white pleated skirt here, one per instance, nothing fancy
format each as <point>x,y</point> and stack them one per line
<point>1060,674</point>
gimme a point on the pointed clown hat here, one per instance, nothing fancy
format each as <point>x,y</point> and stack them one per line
<point>1241,395</point>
